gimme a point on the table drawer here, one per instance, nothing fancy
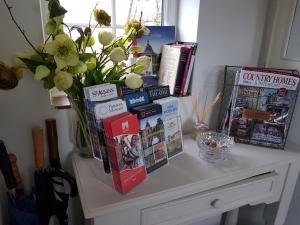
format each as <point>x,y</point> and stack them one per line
<point>213,201</point>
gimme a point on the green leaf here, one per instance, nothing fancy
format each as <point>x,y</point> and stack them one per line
<point>89,79</point>
<point>30,63</point>
<point>55,9</point>
<point>85,56</point>
<point>79,29</point>
<point>49,82</point>
<point>79,42</point>
<point>98,76</point>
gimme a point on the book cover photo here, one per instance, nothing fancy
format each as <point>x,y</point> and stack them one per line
<point>152,45</point>
<point>124,151</point>
<point>153,136</point>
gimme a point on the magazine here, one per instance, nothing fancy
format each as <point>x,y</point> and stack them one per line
<point>152,45</point>
<point>262,105</point>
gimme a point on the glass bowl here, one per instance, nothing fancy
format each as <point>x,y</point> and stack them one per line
<point>214,147</point>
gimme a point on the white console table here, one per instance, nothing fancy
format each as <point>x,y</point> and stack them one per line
<point>189,189</point>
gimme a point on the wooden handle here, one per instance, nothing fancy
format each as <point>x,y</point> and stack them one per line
<point>38,146</point>
<point>16,173</point>
<point>52,140</point>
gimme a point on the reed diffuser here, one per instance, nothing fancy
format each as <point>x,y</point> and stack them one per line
<point>200,125</point>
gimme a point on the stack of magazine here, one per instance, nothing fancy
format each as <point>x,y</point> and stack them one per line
<point>258,104</point>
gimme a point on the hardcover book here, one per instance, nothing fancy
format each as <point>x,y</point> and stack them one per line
<point>183,67</point>
<point>169,64</point>
<point>124,151</point>
<point>185,84</point>
<point>153,43</point>
<point>153,135</point>
<point>263,101</point>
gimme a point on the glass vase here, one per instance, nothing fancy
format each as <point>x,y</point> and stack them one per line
<point>82,140</point>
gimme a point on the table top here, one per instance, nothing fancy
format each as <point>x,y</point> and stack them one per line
<point>184,172</point>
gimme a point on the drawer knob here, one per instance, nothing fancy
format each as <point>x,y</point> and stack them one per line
<point>216,203</point>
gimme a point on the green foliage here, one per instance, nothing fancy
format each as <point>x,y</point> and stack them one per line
<point>80,39</point>
<point>55,9</point>
<point>85,56</point>
<point>30,63</point>
<point>48,82</point>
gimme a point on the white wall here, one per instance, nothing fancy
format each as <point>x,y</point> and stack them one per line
<point>279,23</point>
<point>228,32</point>
<point>28,104</point>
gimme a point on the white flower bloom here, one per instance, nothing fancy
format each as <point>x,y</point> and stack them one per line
<point>41,72</point>
<point>63,80</point>
<point>81,67</point>
<point>105,37</point>
<point>117,55</point>
<point>137,49</point>
<point>143,61</point>
<point>133,81</point>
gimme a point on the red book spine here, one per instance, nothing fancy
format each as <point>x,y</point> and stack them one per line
<point>186,71</point>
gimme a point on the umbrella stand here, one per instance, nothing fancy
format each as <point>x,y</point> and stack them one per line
<point>41,180</point>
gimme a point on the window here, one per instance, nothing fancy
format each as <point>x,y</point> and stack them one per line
<point>120,11</point>
<point>154,12</point>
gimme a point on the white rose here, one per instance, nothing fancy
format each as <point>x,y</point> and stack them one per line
<point>41,72</point>
<point>117,55</point>
<point>133,81</point>
<point>63,80</point>
<point>105,37</point>
<point>143,61</point>
<point>79,68</point>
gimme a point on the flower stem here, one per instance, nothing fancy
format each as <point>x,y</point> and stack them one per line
<point>20,29</point>
<point>81,119</point>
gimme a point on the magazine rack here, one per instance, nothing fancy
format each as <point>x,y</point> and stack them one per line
<point>257,104</point>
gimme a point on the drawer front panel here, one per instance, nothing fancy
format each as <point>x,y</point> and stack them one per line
<point>215,200</point>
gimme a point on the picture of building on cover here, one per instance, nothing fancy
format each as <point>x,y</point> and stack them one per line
<point>152,130</point>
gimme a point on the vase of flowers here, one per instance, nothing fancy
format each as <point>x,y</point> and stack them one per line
<point>72,64</point>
